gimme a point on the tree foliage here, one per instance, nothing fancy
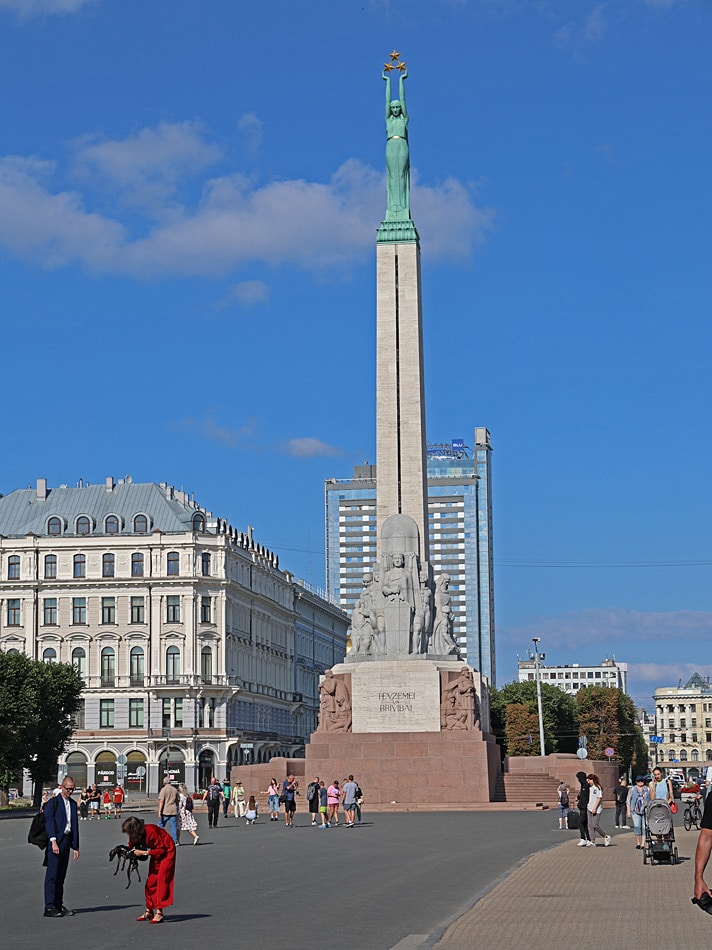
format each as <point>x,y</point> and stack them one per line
<point>607,718</point>
<point>521,729</point>
<point>558,713</point>
<point>37,702</point>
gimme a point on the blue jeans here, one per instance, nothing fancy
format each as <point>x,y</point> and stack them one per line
<point>169,822</point>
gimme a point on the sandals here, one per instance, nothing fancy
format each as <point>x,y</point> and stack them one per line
<point>147,916</point>
<point>157,918</point>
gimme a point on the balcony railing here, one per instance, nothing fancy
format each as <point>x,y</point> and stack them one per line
<point>185,680</point>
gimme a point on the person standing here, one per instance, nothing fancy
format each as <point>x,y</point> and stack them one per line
<point>323,805</point>
<point>150,841</point>
<point>119,796</point>
<point>638,798</point>
<point>289,791</point>
<point>595,807</point>
<point>273,800</point>
<point>358,803</point>
<point>94,802</point>
<point>168,808</point>
<point>582,802</point>
<point>238,800</point>
<point>313,799</point>
<point>563,806</point>
<point>106,801</point>
<point>213,795</point>
<point>334,797</point>
<point>62,827</point>
<point>84,804</point>
<point>227,790</point>
<point>621,796</point>
<point>661,787</point>
<point>349,800</point>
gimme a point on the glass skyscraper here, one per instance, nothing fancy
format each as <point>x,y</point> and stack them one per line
<point>460,535</point>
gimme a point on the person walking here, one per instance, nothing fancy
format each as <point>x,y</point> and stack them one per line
<point>349,800</point>
<point>186,818</point>
<point>661,787</point>
<point>333,797</point>
<point>273,800</point>
<point>227,792</point>
<point>62,827</point>
<point>168,808</point>
<point>595,807</point>
<point>150,841</point>
<point>213,795</point>
<point>323,805</point>
<point>621,796</point>
<point>313,799</point>
<point>358,803</point>
<point>289,791</point>
<point>582,802</point>
<point>638,798</point>
<point>563,806</point>
<point>84,804</point>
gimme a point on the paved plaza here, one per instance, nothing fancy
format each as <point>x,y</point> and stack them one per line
<point>407,881</point>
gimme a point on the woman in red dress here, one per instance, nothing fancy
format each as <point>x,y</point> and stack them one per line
<point>155,843</point>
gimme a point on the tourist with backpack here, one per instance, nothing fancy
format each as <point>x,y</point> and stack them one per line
<point>213,795</point>
<point>313,799</point>
<point>638,798</point>
<point>563,806</point>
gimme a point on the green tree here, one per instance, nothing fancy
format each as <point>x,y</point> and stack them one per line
<point>607,718</point>
<point>521,728</point>
<point>559,714</point>
<point>37,703</point>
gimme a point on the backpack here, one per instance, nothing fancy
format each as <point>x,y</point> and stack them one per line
<point>189,803</point>
<point>564,798</point>
<point>312,791</point>
<point>37,835</point>
<point>214,792</point>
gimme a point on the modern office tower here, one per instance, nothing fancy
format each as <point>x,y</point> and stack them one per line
<point>460,538</point>
<point>197,651</point>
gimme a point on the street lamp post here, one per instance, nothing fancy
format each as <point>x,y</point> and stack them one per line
<point>538,693</point>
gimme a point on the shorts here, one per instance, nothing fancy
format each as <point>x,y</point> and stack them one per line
<point>349,806</point>
<point>290,806</point>
<point>638,824</point>
<point>563,811</point>
<point>323,808</point>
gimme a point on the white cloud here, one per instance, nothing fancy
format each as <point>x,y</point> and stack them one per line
<point>236,220</point>
<point>208,428</point>
<point>251,128</point>
<point>310,448</point>
<point>578,33</point>
<point>29,8</point>
<point>245,294</point>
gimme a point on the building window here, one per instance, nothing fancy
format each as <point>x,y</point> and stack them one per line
<point>694,756</point>
<point>173,609</point>
<point>140,524</point>
<point>166,714</point>
<point>13,568</point>
<point>54,526</point>
<point>205,611</point>
<point>137,610</point>
<point>136,666</point>
<point>108,610</point>
<point>173,564</point>
<point>50,567</point>
<point>178,713</point>
<point>172,664</point>
<point>137,565</point>
<point>50,612</point>
<point>79,610</point>
<point>79,661</point>
<point>108,563</point>
<point>108,667</point>
<point>78,717</point>
<point>80,565</point>
<point>206,665</point>
<point>683,755</point>
<point>111,525</point>
<point>83,525</point>
<point>198,523</point>
<point>13,612</point>
<point>49,655</point>
<point>106,713</point>
<point>204,564</point>
<point>135,714</point>
<point>671,755</point>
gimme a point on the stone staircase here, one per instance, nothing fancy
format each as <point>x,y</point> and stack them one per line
<point>530,788</point>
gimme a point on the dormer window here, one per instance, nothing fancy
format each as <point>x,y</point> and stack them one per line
<point>111,525</point>
<point>140,524</point>
<point>83,525</point>
<point>54,526</point>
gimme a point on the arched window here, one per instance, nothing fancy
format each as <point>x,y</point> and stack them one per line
<point>205,564</point>
<point>173,563</point>
<point>80,565</point>
<point>137,565</point>
<point>140,524</point>
<point>108,667</point>
<point>49,655</point>
<point>111,525</point>
<point>79,661</point>
<point>83,525</point>
<point>108,562</point>
<point>198,523</point>
<point>671,755</point>
<point>54,526</point>
<point>136,668</point>
<point>206,665</point>
<point>683,755</point>
<point>173,664</point>
<point>13,568</point>
<point>50,566</point>
<point>695,755</point>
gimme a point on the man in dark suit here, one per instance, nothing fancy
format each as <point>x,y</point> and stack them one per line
<point>62,827</point>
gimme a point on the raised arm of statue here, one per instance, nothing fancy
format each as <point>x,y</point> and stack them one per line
<point>388,94</point>
<point>401,93</point>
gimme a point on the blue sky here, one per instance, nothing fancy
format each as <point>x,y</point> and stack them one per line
<point>189,193</point>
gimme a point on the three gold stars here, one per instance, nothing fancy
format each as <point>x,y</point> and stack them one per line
<point>395,62</point>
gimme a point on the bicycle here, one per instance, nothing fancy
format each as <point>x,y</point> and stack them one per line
<point>692,816</point>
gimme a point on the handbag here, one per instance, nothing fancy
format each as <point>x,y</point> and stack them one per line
<point>673,808</point>
<point>282,799</point>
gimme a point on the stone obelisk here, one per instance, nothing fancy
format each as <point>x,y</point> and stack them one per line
<point>400,397</point>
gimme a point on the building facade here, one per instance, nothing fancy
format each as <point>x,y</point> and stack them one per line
<point>572,678</point>
<point>460,539</point>
<point>683,720</point>
<point>197,651</point>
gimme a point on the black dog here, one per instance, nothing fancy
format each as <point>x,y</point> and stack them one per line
<point>123,857</point>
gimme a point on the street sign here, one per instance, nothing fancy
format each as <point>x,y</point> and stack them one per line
<point>656,739</point>
<point>140,770</point>
<point>247,745</point>
<point>609,752</point>
<point>582,753</point>
<point>121,759</point>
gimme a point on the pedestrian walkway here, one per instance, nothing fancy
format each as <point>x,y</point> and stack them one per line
<point>558,895</point>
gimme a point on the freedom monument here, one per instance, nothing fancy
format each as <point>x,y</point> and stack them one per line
<point>403,704</point>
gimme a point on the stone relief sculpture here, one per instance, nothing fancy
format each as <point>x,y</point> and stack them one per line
<point>442,641</point>
<point>459,707</point>
<point>367,619</point>
<point>334,704</point>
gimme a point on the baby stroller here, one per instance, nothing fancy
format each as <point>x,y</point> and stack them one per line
<point>659,834</point>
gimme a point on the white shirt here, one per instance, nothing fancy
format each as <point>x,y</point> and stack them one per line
<point>594,797</point>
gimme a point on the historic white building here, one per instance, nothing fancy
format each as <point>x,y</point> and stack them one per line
<point>197,651</point>
<point>572,678</point>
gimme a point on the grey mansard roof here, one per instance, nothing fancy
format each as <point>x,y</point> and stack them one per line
<point>25,511</point>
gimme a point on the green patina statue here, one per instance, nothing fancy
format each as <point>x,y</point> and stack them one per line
<point>397,225</point>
